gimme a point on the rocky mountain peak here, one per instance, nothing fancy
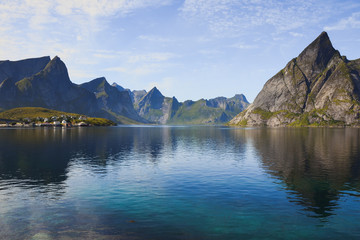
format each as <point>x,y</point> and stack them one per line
<point>153,98</point>
<point>56,71</point>
<point>316,56</point>
<point>17,70</point>
<point>97,85</point>
<point>120,88</point>
<point>101,82</point>
<point>241,97</point>
<point>319,87</point>
<point>155,92</point>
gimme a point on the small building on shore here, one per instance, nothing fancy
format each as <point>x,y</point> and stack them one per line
<point>56,124</point>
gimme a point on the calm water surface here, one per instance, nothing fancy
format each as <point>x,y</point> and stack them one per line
<point>179,183</point>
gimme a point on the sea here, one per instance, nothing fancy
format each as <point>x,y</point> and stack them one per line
<point>179,182</point>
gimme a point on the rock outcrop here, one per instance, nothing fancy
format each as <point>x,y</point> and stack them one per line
<point>213,111</point>
<point>49,86</point>
<point>159,109</point>
<point>115,104</point>
<point>135,95</point>
<point>17,70</point>
<point>319,88</point>
<point>44,82</point>
<point>156,108</point>
<point>41,82</point>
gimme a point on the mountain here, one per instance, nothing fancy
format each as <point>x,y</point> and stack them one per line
<point>17,70</point>
<point>43,83</point>
<point>212,111</point>
<point>156,108</point>
<point>135,95</point>
<point>319,88</point>
<point>165,110</point>
<point>115,104</point>
<point>120,88</point>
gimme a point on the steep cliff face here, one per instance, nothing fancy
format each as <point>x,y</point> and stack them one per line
<point>44,82</point>
<point>135,95</point>
<point>213,111</point>
<point>17,70</point>
<point>41,82</point>
<point>164,110</point>
<point>319,87</point>
<point>113,102</point>
<point>49,88</point>
<point>156,108</point>
<point>118,87</point>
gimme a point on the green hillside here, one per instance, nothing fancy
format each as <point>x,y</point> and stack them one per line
<point>199,113</point>
<point>35,114</point>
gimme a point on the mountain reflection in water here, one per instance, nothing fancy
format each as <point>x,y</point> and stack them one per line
<point>317,165</point>
<point>180,182</point>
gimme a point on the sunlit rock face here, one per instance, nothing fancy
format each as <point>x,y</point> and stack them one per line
<point>319,87</point>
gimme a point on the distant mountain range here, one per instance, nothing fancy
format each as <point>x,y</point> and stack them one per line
<point>318,88</point>
<point>156,108</point>
<point>44,82</point>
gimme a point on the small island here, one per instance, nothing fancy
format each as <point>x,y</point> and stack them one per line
<point>43,117</point>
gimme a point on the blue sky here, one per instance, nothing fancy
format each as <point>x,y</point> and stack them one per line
<point>190,49</point>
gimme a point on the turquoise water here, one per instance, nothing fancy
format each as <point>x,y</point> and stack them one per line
<point>179,183</point>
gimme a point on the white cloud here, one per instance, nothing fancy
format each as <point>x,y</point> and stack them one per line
<point>105,56</point>
<point>151,57</point>
<point>79,74</point>
<point>97,8</point>
<point>153,38</point>
<point>165,84</point>
<point>234,17</point>
<point>69,22</point>
<point>296,34</point>
<point>210,52</point>
<point>69,29</point>
<point>244,46</point>
<point>117,69</point>
<point>347,23</point>
<point>140,69</point>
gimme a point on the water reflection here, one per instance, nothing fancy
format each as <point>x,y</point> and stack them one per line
<point>317,165</point>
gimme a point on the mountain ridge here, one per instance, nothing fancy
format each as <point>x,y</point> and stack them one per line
<point>45,82</point>
<point>112,101</point>
<point>318,88</point>
<point>157,108</point>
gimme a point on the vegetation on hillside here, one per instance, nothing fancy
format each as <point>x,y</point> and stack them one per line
<point>38,114</point>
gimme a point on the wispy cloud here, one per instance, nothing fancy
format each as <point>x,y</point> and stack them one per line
<point>296,34</point>
<point>347,23</point>
<point>210,52</point>
<point>130,57</point>
<point>69,22</point>
<point>165,84</point>
<point>238,17</point>
<point>117,69</point>
<point>244,46</point>
<point>151,57</point>
<point>140,70</point>
<point>153,38</point>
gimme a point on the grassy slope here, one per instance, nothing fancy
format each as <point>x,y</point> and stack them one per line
<point>123,120</point>
<point>198,113</point>
<point>34,112</point>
